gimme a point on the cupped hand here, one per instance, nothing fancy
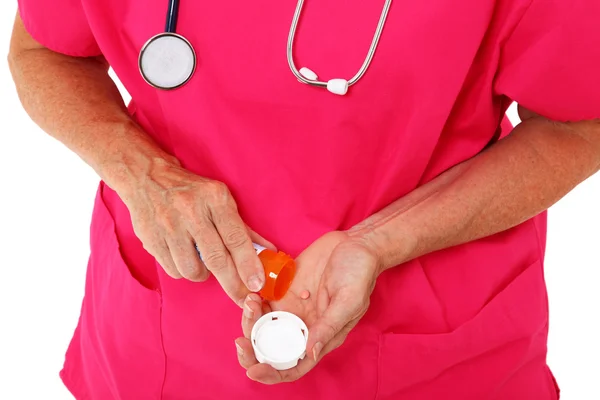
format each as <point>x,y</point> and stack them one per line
<point>174,211</point>
<point>338,273</point>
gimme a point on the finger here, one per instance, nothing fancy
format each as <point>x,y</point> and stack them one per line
<point>338,319</point>
<point>266,308</point>
<point>217,260</point>
<point>336,342</point>
<point>236,239</point>
<point>268,375</point>
<point>265,374</point>
<point>186,258</point>
<point>245,353</point>
<point>252,311</point>
<point>258,239</point>
<point>162,254</point>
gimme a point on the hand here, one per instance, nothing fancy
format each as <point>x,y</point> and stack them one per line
<point>174,210</point>
<point>338,273</point>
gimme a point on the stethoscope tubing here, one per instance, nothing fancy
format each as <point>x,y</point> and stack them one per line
<point>172,14</point>
<point>366,63</point>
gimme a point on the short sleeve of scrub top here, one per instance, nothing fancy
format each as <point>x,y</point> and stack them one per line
<point>551,62</point>
<point>59,25</point>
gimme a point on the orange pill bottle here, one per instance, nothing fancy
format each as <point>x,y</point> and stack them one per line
<point>280,269</point>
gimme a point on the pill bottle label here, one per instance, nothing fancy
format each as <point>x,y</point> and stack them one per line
<point>259,249</point>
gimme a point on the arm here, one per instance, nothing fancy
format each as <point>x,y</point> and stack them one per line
<point>74,100</point>
<point>514,180</point>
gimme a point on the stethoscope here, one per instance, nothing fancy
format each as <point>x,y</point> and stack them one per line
<point>168,61</point>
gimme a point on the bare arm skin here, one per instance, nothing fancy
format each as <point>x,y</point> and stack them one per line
<point>512,181</point>
<point>75,101</point>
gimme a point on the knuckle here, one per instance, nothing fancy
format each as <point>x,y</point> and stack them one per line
<point>236,238</point>
<point>167,223</point>
<point>221,199</point>
<point>183,201</point>
<point>198,232</point>
<point>330,331</point>
<point>218,191</point>
<point>193,272</point>
<point>152,246</point>
<point>215,261</point>
<point>187,268</point>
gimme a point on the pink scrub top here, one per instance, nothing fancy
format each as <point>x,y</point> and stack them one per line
<point>469,322</point>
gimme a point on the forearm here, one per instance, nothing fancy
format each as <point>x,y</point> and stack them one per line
<point>514,180</point>
<point>75,101</point>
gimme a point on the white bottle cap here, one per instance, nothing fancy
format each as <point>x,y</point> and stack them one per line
<point>279,339</point>
<point>338,86</point>
<point>308,74</point>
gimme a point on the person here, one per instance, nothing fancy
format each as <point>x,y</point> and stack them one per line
<point>415,212</point>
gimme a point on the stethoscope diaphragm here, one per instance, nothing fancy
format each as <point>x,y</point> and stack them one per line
<point>167,61</point>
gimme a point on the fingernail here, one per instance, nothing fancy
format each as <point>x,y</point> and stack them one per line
<point>253,297</point>
<point>248,313</point>
<point>316,350</point>
<point>240,351</point>
<point>255,283</point>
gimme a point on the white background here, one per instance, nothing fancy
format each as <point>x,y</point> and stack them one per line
<point>46,197</point>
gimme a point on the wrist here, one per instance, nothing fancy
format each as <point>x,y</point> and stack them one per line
<point>132,159</point>
<point>390,248</point>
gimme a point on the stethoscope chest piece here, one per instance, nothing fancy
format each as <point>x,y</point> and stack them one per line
<point>167,61</point>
